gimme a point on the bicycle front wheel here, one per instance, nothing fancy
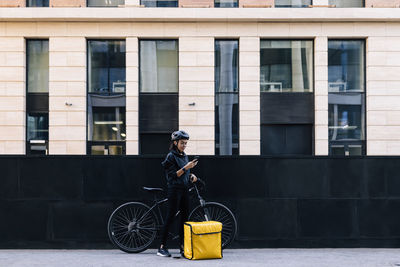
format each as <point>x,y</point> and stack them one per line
<point>132,227</point>
<point>213,211</point>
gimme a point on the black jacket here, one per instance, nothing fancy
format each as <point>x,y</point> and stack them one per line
<point>173,162</point>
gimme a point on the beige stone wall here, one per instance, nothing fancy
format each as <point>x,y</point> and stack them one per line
<point>132,96</point>
<point>256,3</point>
<point>383,95</point>
<point>67,84</point>
<point>249,95</point>
<point>382,3</point>
<point>321,144</point>
<point>67,3</point>
<point>196,3</point>
<point>12,3</point>
<point>12,95</point>
<point>196,85</point>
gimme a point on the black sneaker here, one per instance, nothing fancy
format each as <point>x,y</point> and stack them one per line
<point>182,252</point>
<point>163,252</point>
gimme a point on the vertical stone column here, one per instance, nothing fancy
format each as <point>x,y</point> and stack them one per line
<point>12,3</point>
<point>196,85</point>
<point>67,3</point>
<point>249,95</point>
<point>12,91</point>
<point>132,96</point>
<point>321,96</point>
<point>383,96</point>
<point>67,95</point>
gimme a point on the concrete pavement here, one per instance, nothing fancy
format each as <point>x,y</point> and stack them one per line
<point>232,257</point>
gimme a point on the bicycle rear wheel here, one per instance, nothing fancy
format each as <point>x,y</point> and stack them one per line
<point>213,211</point>
<point>132,227</point>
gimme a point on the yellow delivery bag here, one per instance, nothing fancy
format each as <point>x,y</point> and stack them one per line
<point>202,240</point>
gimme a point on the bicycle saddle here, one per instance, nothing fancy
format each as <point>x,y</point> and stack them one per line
<point>155,190</point>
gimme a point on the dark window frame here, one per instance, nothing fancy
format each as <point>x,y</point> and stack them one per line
<point>364,93</point>
<point>303,93</point>
<point>157,6</point>
<point>140,150</point>
<point>105,143</point>
<point>235,93</point>
<point>236,5</point>
<point>27,94</point>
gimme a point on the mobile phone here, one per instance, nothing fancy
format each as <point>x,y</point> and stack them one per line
<point>196,158</point>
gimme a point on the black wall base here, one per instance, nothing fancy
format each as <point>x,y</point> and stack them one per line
<point>65,201</point>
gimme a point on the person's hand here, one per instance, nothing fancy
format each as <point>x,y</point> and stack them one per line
<point>190,164</point>
<point>193,178</point>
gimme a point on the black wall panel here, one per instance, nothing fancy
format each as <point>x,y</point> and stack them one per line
<point>65,201</point>
<point>287,108</point>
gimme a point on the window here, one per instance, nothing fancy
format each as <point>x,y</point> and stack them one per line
<point>286,66</point>
<point>37,3</point>
<point>292,3</point>
<point>105,3</point>
<point>106,97</point>
<point>158,94</point>
<point>346,77</point>
<point>159,3</point>
<point>347,3</point>
<point>226,97</point>
<point>226,3</point>
<point>107,67</point>
<point>286,98</point>
<point>37,99</point>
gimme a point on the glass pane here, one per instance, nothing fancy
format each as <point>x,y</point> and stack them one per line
<point>337,150</point>
<point>38,127</point>
<point>226,124</point>
<point>38,3</point>
<point>98,150</point>
<point>107,124</point>
<point>159,3</point>
<point>292,3</point>
<point>226,66</point>
<point>355,150</point>
<point>346,66</point>
<point>115,150</point>
<point>286,66</point>
<point>106,67</point>
<point>38,66</point>
<point>346,117</point>
<point>226,3</point>
<point>347,3</point>
<point>105,3</point>
<point>158,66</point>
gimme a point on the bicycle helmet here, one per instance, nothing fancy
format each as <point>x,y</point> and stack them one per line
<point>178,135</point>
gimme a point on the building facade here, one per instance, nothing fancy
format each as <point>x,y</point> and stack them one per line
<point>244,77</point>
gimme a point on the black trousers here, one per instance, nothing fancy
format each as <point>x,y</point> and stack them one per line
<point>178,199</point>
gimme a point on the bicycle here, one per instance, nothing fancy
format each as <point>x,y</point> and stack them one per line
<point>133,226</point>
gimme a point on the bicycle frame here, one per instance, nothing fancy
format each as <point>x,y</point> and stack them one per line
<point>156,206</point>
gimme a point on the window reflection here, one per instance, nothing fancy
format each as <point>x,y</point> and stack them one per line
<point>159,3</point>
<point>38,3</point>
<point>347,3</point>
<point>105,3</point>
<point>292,3</point>
<point>159,66</point>
<point>286,66</point>
<point>346,97</point>
<point>107,67</point>
<point>226,3</point>
<point>226,97</point>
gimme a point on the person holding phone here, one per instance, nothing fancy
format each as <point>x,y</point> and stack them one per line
<point>177,171</point>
